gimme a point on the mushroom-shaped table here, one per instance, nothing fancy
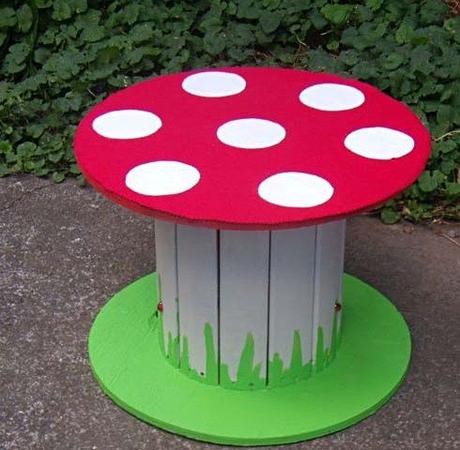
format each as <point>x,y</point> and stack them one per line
<point>240,336</point>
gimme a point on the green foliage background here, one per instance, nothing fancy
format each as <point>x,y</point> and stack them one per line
<point>59,57</point>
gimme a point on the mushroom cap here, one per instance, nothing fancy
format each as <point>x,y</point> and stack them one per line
<point>251,148</point>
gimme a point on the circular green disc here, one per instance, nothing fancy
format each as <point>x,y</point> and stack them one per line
<point>370,364</point>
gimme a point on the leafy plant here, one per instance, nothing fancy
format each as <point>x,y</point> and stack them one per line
<point>60,57</point>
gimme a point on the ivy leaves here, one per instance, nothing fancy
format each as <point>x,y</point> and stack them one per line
<point>8,17</point>
<point>337,14</point>
<point>16,58</point>
<point>25,18</point>
<point>60,57</point>
<point>65,9</point>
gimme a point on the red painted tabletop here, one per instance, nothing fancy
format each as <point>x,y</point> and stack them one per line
<point>251,148</point>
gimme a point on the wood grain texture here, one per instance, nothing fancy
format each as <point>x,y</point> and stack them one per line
<point>197,289</point>
<point>166,263</point>
<point>243,296</point>
<point>328,277</point>
<point>292,272</point>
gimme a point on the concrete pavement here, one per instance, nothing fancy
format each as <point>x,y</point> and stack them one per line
<point>65,250</point>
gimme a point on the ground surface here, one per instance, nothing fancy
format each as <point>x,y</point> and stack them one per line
<point>65,250</point>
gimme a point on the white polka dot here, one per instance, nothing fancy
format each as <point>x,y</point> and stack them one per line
<point>379,143</point>
<point>295,190</point>
<point>331,97</point>
<point>251,133</point>
<point>127,124</point>
<point>162,178</point>
<point>214,84</point>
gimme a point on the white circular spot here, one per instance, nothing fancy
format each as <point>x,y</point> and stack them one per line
<point>162,178</point>
<point>214,84</point>
<point>251,133</point>
<point>332,97</point>
<point>127,124</point>
<point>295,190</point>
<point>379,143</point>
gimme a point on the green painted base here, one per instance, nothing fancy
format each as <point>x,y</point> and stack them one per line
<point>127,361</point>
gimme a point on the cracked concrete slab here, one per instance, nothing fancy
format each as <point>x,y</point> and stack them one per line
<point>65,250</point>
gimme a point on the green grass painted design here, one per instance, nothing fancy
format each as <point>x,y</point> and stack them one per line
<point>297,370</point>
<point>325,355</point>
<point>161,334</point>
<point>212,368</point>
<point>249,374</point>
<point>170,348</point>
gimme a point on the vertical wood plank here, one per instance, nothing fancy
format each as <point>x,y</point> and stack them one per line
<point>341,256</point>
<point>197,293</point>
<point>328,281</point>
<point>292,270</point>
<point>244,259</point>
<point>165,252</point>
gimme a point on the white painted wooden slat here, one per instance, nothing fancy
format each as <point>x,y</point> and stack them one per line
<point>341,264</point>
<point>243,297</point>
<point>328,276</point>
<point>197,293</point>
<point>291,292</point>
<point>165,251</point>
<point>265,285</point>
